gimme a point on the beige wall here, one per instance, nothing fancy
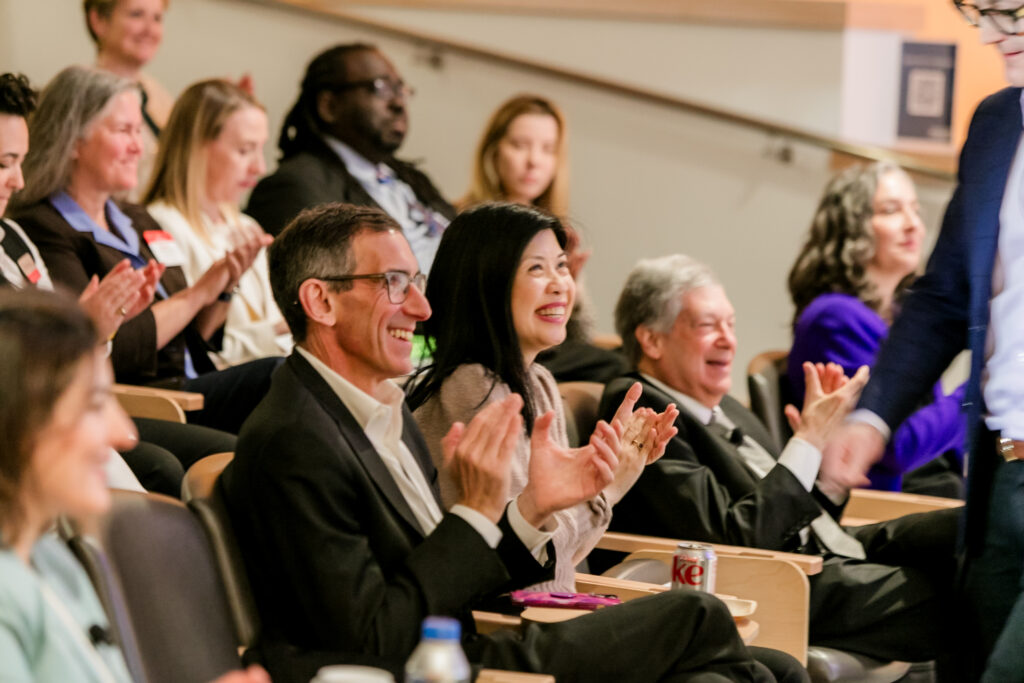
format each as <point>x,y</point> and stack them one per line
<point>646,180</point>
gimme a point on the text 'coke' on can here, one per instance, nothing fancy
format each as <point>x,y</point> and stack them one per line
<point>694,565</point>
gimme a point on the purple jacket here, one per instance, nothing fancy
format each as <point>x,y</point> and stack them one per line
<point>839,328</point>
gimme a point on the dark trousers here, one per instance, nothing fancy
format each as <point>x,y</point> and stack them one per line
<point>231,394</point>
<point>675,636</point>
<point>896,605</point>
<point>166,449</point>
<point>994,587</point>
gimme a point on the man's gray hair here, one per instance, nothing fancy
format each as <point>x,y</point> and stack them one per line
<point>653,296</point>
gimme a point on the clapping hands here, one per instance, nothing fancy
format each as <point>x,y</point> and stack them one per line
<point>121,295</point>
<point>642,438</point>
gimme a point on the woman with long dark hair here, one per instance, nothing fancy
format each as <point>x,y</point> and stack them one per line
<point>501,293</point>
<point>862,253</point>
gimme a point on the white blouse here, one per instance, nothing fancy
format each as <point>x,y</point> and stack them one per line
<point>252,316</point>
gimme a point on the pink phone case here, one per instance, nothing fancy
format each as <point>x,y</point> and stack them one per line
<point>589,601</point>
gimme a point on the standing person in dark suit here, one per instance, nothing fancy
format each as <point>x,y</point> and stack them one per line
<point>882,591</point>
<point>338,144</point>
<point>335,503</point>
<point>971,297</point>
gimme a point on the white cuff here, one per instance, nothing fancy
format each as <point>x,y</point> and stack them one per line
<point>532,537</point>
<point>803,460</point>
<point>487,529</point>
<point>867,417</point>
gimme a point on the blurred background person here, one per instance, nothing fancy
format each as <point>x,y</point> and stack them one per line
<point>522,157</point>
<point>211,153</point>
<point>863,251</point>
<point>338,144</point>
<point>127,34</point>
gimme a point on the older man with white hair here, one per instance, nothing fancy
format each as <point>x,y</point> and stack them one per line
<point>883,588</point>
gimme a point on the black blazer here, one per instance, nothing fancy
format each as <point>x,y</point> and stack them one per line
<point>73,257</point>
<point>947,309</point>
<point>336,558</point>
<point>319,176</point>
<point>702,490</point>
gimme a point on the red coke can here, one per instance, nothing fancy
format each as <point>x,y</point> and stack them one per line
<point>694,565</point>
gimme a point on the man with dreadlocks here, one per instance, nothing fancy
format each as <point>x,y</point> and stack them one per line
<point>337,145</point>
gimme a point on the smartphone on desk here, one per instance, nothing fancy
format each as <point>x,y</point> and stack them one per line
<point>589,601</point>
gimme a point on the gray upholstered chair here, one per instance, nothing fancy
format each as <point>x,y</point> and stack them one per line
<point>155,568</point>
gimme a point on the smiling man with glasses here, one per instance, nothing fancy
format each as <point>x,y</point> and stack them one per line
<point>338,144</point>
<point>972,296</point>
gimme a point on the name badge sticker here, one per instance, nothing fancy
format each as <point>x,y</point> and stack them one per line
<point>29,268</point>
<point>164,248</point>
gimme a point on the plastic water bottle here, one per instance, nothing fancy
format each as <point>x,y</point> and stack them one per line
<point>439,657</point>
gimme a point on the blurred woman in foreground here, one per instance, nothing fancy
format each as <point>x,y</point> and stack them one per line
<point>58,424</point>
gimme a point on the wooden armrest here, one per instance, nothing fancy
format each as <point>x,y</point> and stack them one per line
<point>188,400</point>
<point>780,588</point>
<point>158,404</point>
<point>606,340</point>
<point>495,676</point>
<point>623,589</point>
<point>631,543</point>
<point>867,506</point>
<point>489,622</point>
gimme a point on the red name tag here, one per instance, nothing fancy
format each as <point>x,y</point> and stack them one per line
<point>28,267</point>
<point>164,248</point>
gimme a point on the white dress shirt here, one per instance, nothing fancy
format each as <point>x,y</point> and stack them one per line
<point>422,226</point>
<point>250,330</point>
<point>799,457</point>
<point>1002,381</point>
<point>381,419</point>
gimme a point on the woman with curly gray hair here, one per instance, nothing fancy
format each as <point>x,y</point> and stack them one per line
<point>863,251</point>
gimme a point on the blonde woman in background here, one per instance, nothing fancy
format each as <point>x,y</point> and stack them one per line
<point>521,157</point>
<point>211,153</point>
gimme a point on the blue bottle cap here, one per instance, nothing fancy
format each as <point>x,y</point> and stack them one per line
<point>441,628</point>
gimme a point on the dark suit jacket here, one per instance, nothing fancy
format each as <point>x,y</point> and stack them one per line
<point>948,307</point>
<point>319,176</point>
<point>336,558</point>
<point>702,490</point>
<point>73,257</point>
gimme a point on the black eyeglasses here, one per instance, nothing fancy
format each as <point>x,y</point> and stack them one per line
<point>384,88</point>
<point>396,281</point>
<point>1004,20</point>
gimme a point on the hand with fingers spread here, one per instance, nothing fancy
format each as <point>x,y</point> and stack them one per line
<point>562,477</point>
<point>109,301</point>
<point>478,456</point>
<point>642,438</point>
<point>828,399</point>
